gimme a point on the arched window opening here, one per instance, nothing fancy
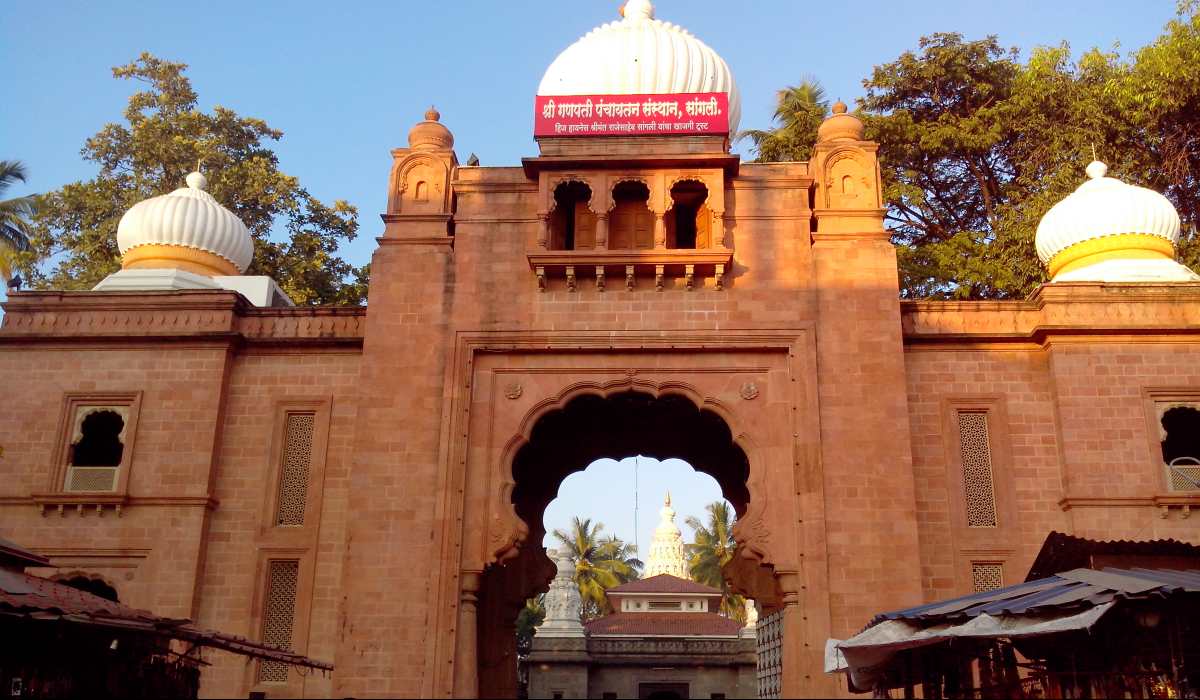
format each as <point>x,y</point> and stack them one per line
<point>91,585</point>
<point>689,223</point>
<point>631,224</point>
<point>573,225</point>
<point>100,444</point>
<point>1181,448</point>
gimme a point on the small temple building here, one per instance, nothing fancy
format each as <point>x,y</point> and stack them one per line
<point>366,485</point>
<point>663,639</point>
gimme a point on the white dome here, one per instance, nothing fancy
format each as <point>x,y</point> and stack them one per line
<point>1105,206</point>
<point>189,217</point>
<point>641,55</point>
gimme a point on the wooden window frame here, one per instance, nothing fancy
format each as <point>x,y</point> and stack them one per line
<point>72,403</point>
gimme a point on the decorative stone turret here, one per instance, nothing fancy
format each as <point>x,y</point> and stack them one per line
<point>846,167</point>
<point>186,240</point>
<point>420,202</point>
<point>563,604</point>
<point>668,554</point>
<point>1110,231</point>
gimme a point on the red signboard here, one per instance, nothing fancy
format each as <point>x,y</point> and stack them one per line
<point>631,115</point>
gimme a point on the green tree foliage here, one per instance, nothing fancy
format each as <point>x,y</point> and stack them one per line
<point>712,549</point>
<point>600,563</point>
<point>528,619</point>
<point>976,145</point>
<point>163,137</point>
<point>799,111</point>
<point>15,215</point>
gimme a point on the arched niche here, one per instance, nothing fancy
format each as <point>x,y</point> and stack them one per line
<point>689,220</point>
<point>572,222</point>
<point>631,221</point>
<point>850,181</point>
<point>422,184</point>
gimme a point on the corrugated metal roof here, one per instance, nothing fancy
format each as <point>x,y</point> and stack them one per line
<point>1078,588</point>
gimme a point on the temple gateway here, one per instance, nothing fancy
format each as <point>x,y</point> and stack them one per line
<point>366,486</point>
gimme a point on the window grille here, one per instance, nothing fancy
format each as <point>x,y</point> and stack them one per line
<point>977,468</point>
<point>664,605</point>
<point>295,468</point>
<point>770,654</point>
<point>986,576</point>
<point>1183,474</point>
<point>279,616</point>
<point>91,478</point>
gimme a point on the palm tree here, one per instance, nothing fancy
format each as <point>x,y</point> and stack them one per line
<point>529,618</point>
<point>714,546</point>
<point>599,564</point>
<point>14,216</point>
<point>613,548</point>
<point>799,111</point>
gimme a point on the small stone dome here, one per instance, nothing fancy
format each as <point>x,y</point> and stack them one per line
<point>840,126</point>
<point>1110,231</point>
<point>431,134</point>
<point>641,55</point>
<point>187,230</point>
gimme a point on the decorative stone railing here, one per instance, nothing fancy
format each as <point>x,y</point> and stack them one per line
<point>624,267</point>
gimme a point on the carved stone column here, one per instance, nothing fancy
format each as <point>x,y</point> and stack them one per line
<point>543,239</point>
<point>466,645</point>
<point>720,236</point>
<point>660,232</point>
<point>602,231</point>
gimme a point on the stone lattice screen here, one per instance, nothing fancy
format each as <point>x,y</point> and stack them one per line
<point>279,614</point>
<point>986,576</point>
<point>977,468</point>
<point>770,654</point>
<point>294,471</point>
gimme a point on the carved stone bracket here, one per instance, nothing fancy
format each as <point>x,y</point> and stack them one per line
<point>630,278</point>
<point>658,277</point>
<point>570,278</point>
<point>689,276</point>
<point>541,278</point>
<point>600,278</point>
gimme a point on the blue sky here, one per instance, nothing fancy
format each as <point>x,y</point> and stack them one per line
<point>345,81</point>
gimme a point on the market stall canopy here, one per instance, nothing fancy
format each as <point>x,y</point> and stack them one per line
<point>35,598</point>
<point>1067,601</point>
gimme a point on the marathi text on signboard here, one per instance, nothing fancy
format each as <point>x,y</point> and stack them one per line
<point>631,115</point>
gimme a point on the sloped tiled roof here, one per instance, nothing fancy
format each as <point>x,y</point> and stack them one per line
<point>664,624</point>
<point>664,583</point>
<point>43,600</point>
<point>1062,552</point>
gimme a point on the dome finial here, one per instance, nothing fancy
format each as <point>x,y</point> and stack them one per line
<point>432,115</point>
<point>839,107</point>
<point>1096,170</point>
<point>197,181</point>
<point>637,9</point>
<point>667,501</point>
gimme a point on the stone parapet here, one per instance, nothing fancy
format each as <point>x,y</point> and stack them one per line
<point>1058,309</point>
<point>194,314</point>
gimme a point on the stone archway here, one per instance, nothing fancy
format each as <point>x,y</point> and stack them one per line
<point>590,424</point>
<point>740,408</point>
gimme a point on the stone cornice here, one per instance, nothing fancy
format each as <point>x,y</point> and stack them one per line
<point>1060,313</point>
<point>208,315</point>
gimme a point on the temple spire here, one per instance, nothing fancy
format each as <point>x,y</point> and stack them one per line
<point>668,555</point>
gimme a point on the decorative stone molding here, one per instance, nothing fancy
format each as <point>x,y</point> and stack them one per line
<point>685,264</point>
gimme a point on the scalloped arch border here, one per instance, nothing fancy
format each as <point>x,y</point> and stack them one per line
<point>508,543</point>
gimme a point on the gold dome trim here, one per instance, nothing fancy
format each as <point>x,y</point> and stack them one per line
<point>1128,246</point>
<point>155,256</point>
